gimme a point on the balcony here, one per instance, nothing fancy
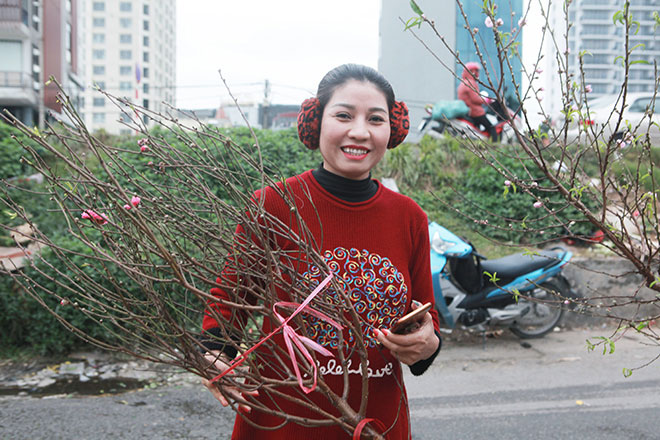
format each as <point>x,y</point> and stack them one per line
<point>17,89</point>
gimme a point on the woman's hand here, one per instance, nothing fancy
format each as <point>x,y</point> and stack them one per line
<point>414,346</point>
<point>220,362</point>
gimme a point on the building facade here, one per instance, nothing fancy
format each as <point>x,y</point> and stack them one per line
<point>594,33</point>
<point>38,39</point>
<point>129,52</point>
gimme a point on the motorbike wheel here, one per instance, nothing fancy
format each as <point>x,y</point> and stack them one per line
<point>544,310</point>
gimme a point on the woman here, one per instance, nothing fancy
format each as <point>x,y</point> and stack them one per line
<point>468,92</point>
<point>353,120</point>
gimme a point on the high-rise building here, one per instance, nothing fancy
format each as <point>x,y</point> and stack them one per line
<point>130,52</point>
<point>594,33</point>
<point>38,39</point>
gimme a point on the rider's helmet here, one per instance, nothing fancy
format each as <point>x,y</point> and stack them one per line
<point>472,66</point>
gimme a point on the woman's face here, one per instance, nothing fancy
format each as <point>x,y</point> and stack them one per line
<point>355,130</point>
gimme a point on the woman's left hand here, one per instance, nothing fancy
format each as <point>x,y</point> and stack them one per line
<point>411,347</point>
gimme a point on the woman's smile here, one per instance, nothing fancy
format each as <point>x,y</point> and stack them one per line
<point>355,152</point>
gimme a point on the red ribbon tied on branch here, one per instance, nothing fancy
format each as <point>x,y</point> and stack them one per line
<point>292,338</point>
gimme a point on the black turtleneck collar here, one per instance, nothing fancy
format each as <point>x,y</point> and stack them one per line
<point>348,190</point>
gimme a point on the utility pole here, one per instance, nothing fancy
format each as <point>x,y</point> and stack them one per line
<point>265,116</point>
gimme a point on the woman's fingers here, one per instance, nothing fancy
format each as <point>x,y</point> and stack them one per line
<point>220,391</point>
<point>411,347</point>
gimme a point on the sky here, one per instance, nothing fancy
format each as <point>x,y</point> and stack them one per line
<point>292,43</point>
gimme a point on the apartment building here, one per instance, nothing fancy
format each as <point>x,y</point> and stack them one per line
<point>38,39</point>
<point>130,52</point>
<point>594,33</point>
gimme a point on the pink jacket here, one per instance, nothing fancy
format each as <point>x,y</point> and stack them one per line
<point>468,93</point>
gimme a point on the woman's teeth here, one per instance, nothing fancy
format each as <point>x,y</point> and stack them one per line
<point>354,151</point>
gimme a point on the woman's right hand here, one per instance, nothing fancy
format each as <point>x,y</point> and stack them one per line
<point>220,362</point>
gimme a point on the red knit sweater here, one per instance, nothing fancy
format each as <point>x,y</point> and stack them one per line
<point>380,249</point>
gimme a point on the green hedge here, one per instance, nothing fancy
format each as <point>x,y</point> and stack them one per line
<point>428,171</point>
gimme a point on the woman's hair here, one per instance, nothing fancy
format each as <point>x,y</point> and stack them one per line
<point>346,72</point>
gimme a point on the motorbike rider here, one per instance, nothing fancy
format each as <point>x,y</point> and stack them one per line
<point>468,92</point>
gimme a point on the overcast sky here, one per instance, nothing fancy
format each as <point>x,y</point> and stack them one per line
<point>291,43</point>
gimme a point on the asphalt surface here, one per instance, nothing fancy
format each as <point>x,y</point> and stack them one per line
<point>551,388</point>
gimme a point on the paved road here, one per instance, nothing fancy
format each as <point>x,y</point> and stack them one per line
<point>554,389</point>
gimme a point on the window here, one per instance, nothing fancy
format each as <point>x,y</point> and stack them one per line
<point>125,22</point>
<point>98,70</point>
<point>98,38</point>
<point>595,29</point>
<point>35,16</point>
<point>125,85</point>
<point>125,38</point>
<point>595,44</point>
<point>145,88</point>
<point>145,41</point>
<point>98,22</point>
<point>99,102</point>
<point>145,9</point>
<point>145,25</point>
<point>11,54</point>
<point>145,72</point>
<point>145,57</point>
<point>598,59</point>
<point>124,70</point>
<point>145,103</point>
<point>125,7</point>
<point>98,6</point>
<point>595,14</point>
<point>640,105</point>
<point>100,84</point>
<point>98,117</point>
<point>125,54</point>
<point>98,54</point>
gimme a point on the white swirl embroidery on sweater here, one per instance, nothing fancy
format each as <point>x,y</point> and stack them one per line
<point>334,368</point>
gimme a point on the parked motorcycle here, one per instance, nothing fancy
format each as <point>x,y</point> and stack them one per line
<point>522,292</point>
<point>463,126</point>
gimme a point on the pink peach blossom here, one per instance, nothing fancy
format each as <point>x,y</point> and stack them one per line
<point>488,22</point>
<point>135,201</point>
<point>538,204</point>
<point>499,22</point>
<point>99,219</point>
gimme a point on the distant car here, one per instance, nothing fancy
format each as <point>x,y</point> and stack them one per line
<point>603,117</point>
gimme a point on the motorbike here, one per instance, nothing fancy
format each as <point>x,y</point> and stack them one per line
<point>522,292</point>
<point>465,127</point>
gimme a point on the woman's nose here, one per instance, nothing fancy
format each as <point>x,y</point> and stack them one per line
<point>359,130</point>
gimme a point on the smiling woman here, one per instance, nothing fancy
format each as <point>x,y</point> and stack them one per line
<point>373,241</point>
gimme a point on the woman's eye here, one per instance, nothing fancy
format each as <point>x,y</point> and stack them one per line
<point>377,119</point>
<point>343,116</point>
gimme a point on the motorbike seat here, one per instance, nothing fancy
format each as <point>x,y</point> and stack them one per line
<point>515,265</point>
